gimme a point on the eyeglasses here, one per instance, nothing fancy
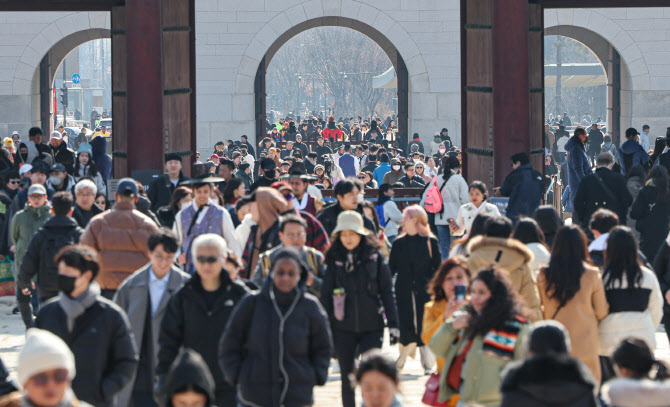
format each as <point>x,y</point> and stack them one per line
<point>13,182</point>
<point>59,376</point>
<point>362,177</point>
<point>207,259</point>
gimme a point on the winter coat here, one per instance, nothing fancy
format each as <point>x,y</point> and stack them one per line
<point>435,145</point>
<point>120,237</point>
<point>328,218</point>
<point>161,189</point>
<point>580,315</point>
<point>433,318</point>
<point>468,212</point>
<point>348,164</point>
<point>371,166</point>
<point>634,185</point>
<point>578,165</point>
<point>412,266</point>
<point>414,182</point>
<point>635,312</point>
<point>189,369</point>
<point>369,292</point>
<point>524,188</point>
<point>276,348</point>
<point>515,260</point>
<point>631,153</point>
<point>591,196</point>
<point>392,217</point>
<point>652,220</point>
<point>103,346</point>
<point>56,233</point>
<point>379,173</point>
<point>100,158</point>
<point>83,217</point>
<point>143,206</point>
<point>66,186</point>
<point>392,177</point>
<point>24,225</point>
<point>625,392</point>
<point>246,178</point>
<point>133,296</point>
<point>541,257</point>
<point>84,171</point>
<point>596,138</point>
<point>548,381</point>
<point>610,148</point>
<point>189,323</point>
<point>484,363</point>
<point>454,195</point>
<point>662,270</point>
<point>63,155</point>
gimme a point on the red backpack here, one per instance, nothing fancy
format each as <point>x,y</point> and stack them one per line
<point>433,201</point>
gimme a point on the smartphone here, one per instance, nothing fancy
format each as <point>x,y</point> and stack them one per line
<point>460,291</point>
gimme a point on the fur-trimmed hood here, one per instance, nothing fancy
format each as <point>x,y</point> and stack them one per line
<point>623,392</point>
<point>555,380</point>
<point>483,251</point>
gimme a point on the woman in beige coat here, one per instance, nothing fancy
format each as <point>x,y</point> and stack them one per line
<point>572,292</point>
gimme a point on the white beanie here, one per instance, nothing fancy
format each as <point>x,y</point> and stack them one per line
<point>43,351</point>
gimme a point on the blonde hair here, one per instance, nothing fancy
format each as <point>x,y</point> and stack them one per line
<point>417,212</point>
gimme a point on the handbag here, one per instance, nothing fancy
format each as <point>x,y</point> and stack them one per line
<point>430,396</point>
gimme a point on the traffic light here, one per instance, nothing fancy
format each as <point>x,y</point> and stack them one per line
<point>63,96</point>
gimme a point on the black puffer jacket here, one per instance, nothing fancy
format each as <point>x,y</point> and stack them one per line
<point>257,337</point>
<point>548,381</point>
<point>189,323</point>
<point>83,217</point>
<point>187,370</point>
<point>328,218</point>
<point>369,293</point>
<point>56,233</point>
<point>103,346</point>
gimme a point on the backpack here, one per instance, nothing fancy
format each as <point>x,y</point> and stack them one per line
<point>433,201</point>
<point>380,215</point>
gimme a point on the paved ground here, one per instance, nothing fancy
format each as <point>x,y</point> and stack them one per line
<point>412,387</point>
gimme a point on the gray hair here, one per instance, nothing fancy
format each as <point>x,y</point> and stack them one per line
<point>209,240</point>
<point>83,184</point>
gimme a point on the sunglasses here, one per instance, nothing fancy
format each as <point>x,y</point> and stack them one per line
<point>363,177</point>
<point>207,259</point>
<point>13,182</point>
<point>59,376</point>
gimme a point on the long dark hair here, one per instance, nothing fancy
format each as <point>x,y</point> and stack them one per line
<point>382,198</point>
<point>621,259</point>
<point>659,176</point>
<point>527,231</point>
<point>448,164</point>
<point>92,166</point>
<point>566,265</point>
<point>229,189</point>
<point>634,354</point>
<point>375,217</point>
<point>365,249</point>
<point>502,307</point>
<point>435,284</point>
<point>549,221</point>
<point>177,196</point>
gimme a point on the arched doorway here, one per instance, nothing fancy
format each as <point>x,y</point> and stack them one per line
<point>387,46</point>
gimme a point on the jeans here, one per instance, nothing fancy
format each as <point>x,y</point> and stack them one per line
<point>348,345</point>
<point>444,235</point>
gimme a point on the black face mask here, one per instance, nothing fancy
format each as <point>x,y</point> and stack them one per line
<point>66,284</point>
<point>270,174</point>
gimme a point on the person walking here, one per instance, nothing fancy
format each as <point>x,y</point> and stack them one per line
<point>388,213</point>
<point>46,368</point>
<point>162,188</point>
<point>477,205</point>
<point>596,138</point>
<point>379,379</point>
<point>85,208</point>
<point>144,297</point>
<point>120,236</point>
<point>58,231</point>
<point>24,225</point>
<point>578,162</point>
<point>572,293</point>
<point>454,193</point>
<point>413,263</point>
<point>94,328</point>
<point>189,382</point>
<point>281,332</point>
<point>523,186</point>
<point>356,283</point>
<point>631,153</point>
<point>473,364</point>
<point>197,314</point>
<point>651,211</point>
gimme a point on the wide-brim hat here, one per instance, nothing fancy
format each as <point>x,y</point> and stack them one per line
<point>351,220</point>
<point>203,180</point>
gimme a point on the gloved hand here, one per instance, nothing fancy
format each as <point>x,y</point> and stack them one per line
<point>394,335</point>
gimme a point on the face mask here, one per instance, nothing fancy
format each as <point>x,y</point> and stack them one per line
<point>269,174</point>
<point>396,168</point>
<point>442,151</point>
<point>417,160</point>
<point>55,181</point>
<point>361,198</point>
<point>184,205</point>
<point>66,284</point>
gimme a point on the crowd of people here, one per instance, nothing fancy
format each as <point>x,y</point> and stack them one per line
<point>246,283</point>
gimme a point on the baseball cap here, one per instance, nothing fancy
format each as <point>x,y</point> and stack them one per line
<point>15,133</point>
<point>56,135</point>
<point>127,187</point>
<point>37,189</point>
<point>58,167</point>
<point>25,168</point>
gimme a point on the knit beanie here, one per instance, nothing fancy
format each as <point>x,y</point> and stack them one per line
<point>43,351</point>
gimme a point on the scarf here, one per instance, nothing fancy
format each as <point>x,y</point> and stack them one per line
<point>75,307</point>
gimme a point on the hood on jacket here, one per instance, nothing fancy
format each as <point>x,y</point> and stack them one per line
<point>559,378</point>
<point>60,222</point>
<point>189,369</point>
<point>574,143</point>
<point>636,393</point>
<point>293,254</point>
<point>271,204</point>
<point>98,145</point>
<point>483,251</point>
<point>631,146</point>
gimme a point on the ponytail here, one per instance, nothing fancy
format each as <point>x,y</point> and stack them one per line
<point>662,371</point>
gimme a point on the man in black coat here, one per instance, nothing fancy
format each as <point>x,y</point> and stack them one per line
<point>245,142</point>
<point>85,208</point>
<point>96,330</point>
<point>60,152</point>
<point>372,164</point>
<point>523,186</point>
<point>596,138</point>
<point>411,180</point>
<point>346,192</point>
<point>59,231</point>
<point>198,313</point>
<point>161,188</point>
<point>321,149</point>
<point>603,189</point>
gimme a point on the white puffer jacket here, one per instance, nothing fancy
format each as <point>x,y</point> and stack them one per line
<point>620,325</point>
<point>454,194</point>
<point>622,392</point>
